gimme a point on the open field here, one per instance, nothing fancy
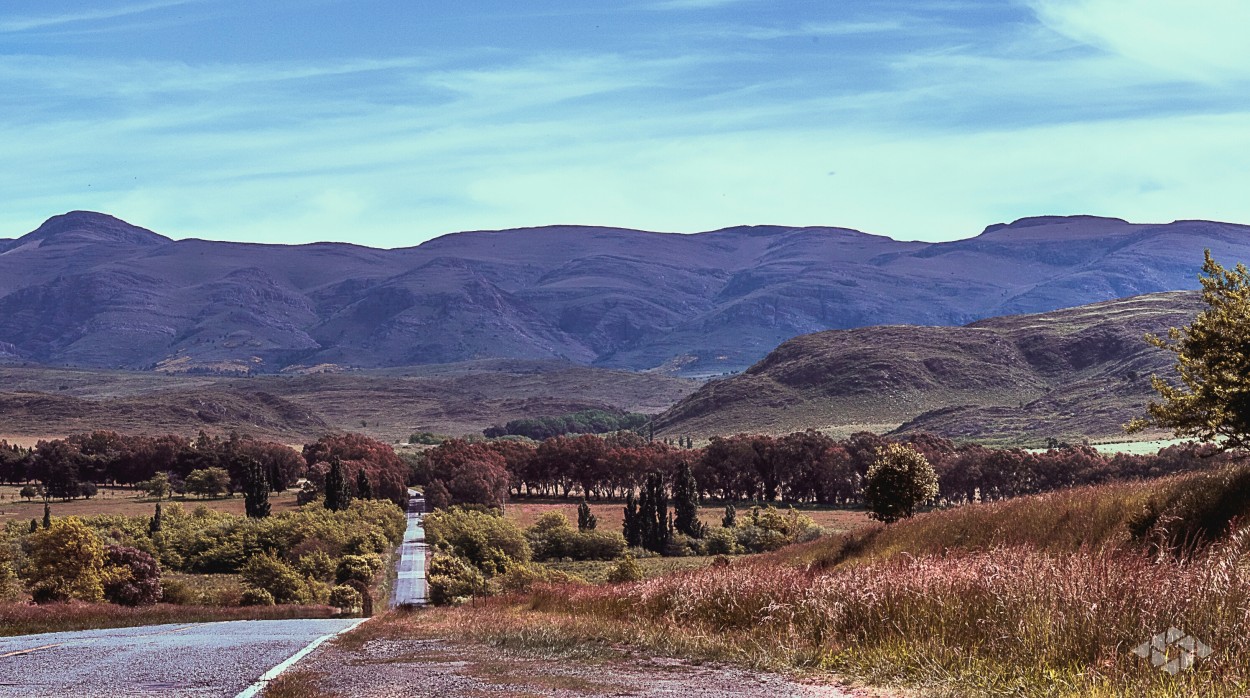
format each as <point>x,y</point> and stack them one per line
<point>612,515</point>
<point>122,501</point>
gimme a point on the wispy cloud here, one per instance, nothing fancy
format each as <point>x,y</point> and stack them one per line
<point>1203,41</point>
<point>20,24</point>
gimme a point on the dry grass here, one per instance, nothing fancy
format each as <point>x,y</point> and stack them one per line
<point>611,515</point>
<point>122,501</point>
<point>1036,597</point>
<point>597,571</point>
<point>298,683</point>
<point>28,618</point>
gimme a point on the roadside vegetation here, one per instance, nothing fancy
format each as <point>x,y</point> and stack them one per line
<point>187,560</point>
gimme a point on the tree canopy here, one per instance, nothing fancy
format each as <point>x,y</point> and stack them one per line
<point>1212,403</point>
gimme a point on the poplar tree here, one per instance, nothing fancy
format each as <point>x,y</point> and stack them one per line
<point>255,490</point>
<point>364,488</point>
<point>338,491</point>
<point>586,520</point>
<point>686,503</point>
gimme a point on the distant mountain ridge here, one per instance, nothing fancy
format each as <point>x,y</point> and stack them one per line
<point>86,289</point>
<point>1068,374</point>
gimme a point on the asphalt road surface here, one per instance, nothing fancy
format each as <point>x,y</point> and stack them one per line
<point>410,585</point>
<point>198,659</point>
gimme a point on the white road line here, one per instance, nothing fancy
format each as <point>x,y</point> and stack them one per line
<point>273,673</point>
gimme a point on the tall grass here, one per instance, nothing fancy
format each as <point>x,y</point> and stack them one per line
<point>1041,596</point>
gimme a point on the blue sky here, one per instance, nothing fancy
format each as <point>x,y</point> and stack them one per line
<point>387,123</point>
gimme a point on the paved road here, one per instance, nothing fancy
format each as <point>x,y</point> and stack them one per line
<point>199,659</point>
<point>410,586</point>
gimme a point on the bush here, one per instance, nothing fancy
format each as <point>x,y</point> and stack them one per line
<point>487,541</point>
<point>345,598</point>
<point>721,541</point>
<point>272,574</point>
<point>131,577</point>
<point>362,568</point>
<point>520,578</point>
<point>174,591</point>
<point>553,537</point>
<point>256,597</point>
<point>453,580</point>
<point>64,561</point>
<point>316,564</point>
<point>626,570</point>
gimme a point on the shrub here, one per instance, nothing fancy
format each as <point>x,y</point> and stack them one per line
<point>131,577</point>
<point>362,568</point>
<point>316,564</point>
<point>64,561</point>
<point>487,541</point>
<point>268,572</point>
<point>553,537</point>
<point>177,592</point>
<point>453,580</point>
<point>256,597</point>
<point>521,578</point>
<point>721,541</point>
<point>626,570</point>
<point>345,598</point>
<point>371,541</point>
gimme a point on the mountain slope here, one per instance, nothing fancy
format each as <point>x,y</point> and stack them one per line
<point>1070,373</point>
<point>86,289</point>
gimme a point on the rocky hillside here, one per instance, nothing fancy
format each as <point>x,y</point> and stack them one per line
<point>86,289</point>
<point>1080,372</point>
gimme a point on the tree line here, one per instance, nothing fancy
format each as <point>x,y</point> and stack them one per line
<point>802,467</point>
<point>206,465</point>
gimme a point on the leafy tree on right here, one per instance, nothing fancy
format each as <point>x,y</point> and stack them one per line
<point>1213,363</point>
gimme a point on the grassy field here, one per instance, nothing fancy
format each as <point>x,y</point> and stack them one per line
<point>121,501</point>
<point>597,571</point>
<point>1035,597</point>
<point>611,516</point>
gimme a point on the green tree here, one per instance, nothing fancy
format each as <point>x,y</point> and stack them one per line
<point>208,482</point>
<point>586,520</point>
<point>29,492</point>
<point>157,486</point>
<point>271,573</point>
<point>364,488</point>
<point>1213,364</point>
<point>338,491</point>
<point>897,481</point>
<point>255,489</point>
<point>730,519</point>
<point>47,515</point>
<point>64,561</point>
<point>652,519</point>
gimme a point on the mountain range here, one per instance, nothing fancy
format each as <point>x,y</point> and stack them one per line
<point>88,290</point>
